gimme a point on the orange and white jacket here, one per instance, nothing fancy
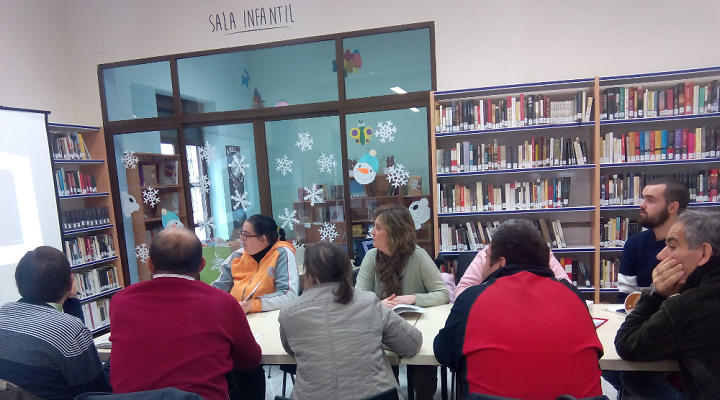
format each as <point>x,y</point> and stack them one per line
<point>275,276</point>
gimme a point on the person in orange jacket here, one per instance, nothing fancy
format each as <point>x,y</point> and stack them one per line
<point>263,275</point>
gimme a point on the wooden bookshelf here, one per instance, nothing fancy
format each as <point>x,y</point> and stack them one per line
<point>585,207</point>
<point>94,140</point>
<point>147,221</point>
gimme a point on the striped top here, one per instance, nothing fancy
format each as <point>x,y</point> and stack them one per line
<point>48,353</point>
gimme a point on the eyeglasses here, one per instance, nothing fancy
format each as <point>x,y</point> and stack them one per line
<point>244,235</point>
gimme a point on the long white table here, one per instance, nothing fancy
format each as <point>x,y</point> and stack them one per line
<point>266,328</point>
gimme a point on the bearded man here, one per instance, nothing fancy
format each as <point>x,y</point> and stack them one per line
<point>663,200</point>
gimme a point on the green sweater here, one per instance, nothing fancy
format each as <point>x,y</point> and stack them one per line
<point>420,277</point>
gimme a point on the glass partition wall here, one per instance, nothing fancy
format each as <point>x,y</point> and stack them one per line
<point>205,140</point>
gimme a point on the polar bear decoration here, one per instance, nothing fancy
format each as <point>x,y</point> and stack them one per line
<point>420,211</point>
<point>129,204</point>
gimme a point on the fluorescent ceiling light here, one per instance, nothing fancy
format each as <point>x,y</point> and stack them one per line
<point>398,90</point>
<point>414,109</point>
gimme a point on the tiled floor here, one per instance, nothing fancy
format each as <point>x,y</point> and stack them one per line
<point>273,385</point>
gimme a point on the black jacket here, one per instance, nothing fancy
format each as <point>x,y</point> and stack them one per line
<point>685,327</point>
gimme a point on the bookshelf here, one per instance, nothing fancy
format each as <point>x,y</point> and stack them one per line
<point>498,135</point>
<point>158,175</point>
<point>87,217</point>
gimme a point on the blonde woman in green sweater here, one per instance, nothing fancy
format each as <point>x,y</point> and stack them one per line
<point>400,272</point>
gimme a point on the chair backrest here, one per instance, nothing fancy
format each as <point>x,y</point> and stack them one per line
<point>390,394</point>
<point>464,260</point>
<point>158,394</point>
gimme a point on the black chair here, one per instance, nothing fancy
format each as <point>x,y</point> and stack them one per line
<point>478,396</point>
<point>463,262</point>
<point>390,394</point>
<point>158,394</point>
<point>288,369</point>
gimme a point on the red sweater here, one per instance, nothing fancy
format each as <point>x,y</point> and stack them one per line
<point>522,334</point>
<point>173,332</point>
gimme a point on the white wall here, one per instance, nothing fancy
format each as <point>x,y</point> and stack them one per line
<point>33,58</point>
<point>479,43</point>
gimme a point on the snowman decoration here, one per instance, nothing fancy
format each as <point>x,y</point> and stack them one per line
<point>170,219</point>
<point>365,170</point>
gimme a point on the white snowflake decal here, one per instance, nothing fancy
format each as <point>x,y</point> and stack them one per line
<point>326,163</point>
<point>129,159</point>
<point>397,175</point>
<point>385,132</point>
<point>238,165</point>
<point>305,142</point>
<point>284,164</point>
<point>217,263</point>
<point>298,245</point>
<point>150,196</point>
<point>288,219</point>
<point>314,194</point>
<point>207,224</point>
<point>240,200</point>
<point>328,232</point>
<point>142,252</point>
<point>207,152</point>
<point>203,184</point>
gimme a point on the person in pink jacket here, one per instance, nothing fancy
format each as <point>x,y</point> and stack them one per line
<point>473,274</point>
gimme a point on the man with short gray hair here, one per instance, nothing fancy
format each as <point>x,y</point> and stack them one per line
<point>678,317</point>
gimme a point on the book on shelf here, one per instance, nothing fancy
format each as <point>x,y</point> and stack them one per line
<point>615,231</point>
<point>95,282</point>
<point>96,313</point>
<point>678,144</point>
<point>148,175</point>
<point>69,146</point>
<point>609,272</point>
<point>684,98</point>
<point>473,236</point>
<point>532,153</point>
<point>73,182</point>
<point>518,195</point>
<point>85,249</point>
<point>511,111</point>
<point>576,271</point>
<point>84,218</point>
<point>626,189</point>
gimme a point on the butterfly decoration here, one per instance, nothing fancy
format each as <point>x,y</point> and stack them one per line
<point>245,79</point>
<point>361,133</point>
<point>257,101</point>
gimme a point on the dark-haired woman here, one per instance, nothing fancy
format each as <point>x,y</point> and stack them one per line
<point>263,275</point>
<point>400,272</point>
<point>336,333</point>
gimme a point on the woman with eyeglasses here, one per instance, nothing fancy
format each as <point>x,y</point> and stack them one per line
<point>263,275</point>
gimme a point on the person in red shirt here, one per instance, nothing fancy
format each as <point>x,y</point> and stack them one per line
<point>176,331</point>
<point>521,333</point>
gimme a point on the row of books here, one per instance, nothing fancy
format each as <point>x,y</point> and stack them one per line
<point>680,144</point>
<point>87,249</point>
<point>616,230</point>
<point>533,153</point>
<point>684,98</point>
<point>68,146</point>
<point>84,218</point>
<point>488,196</point>
<point>96,281</point>
<point>577,271</point>
<point>511,111</point>
<point>96,313</point>
<point>473,236</point>
<point>621,189</point>
<point>609,272</point>
<point>74,182</point>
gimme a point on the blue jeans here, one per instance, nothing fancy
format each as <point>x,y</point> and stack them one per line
<point>642,385</point>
